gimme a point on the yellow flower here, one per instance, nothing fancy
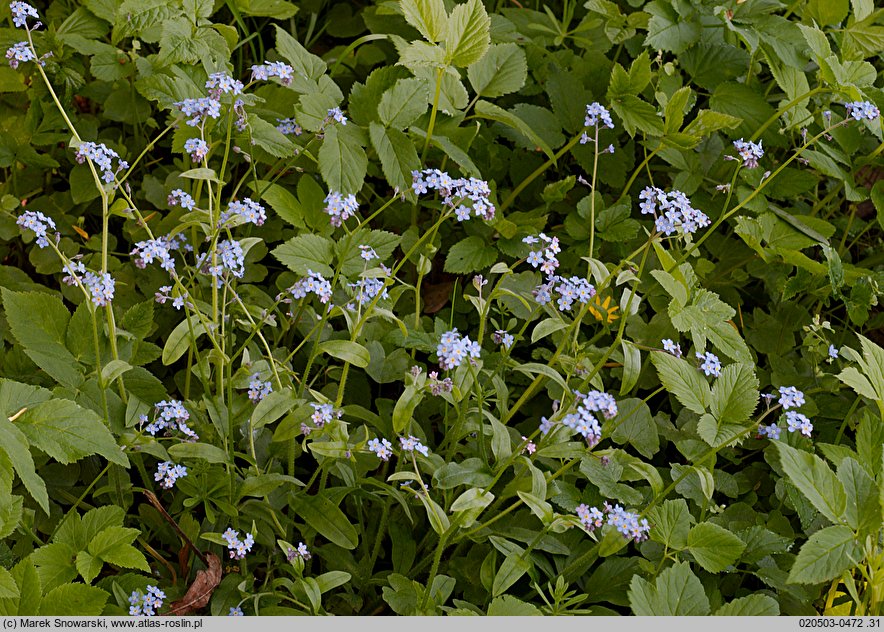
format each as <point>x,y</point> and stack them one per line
<point>599,307</point>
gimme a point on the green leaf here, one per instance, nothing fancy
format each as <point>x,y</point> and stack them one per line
<point>205,451</point>
<point>435,514</point>
<point>348,351</point>
<point>514,566</point>
<point>405,406</point>
<point>471,472</point>
<point>634,425</point>
<point>67,432</point>
<point>715,548</point>
<point>282,201</point>
<point>8,587</point>
<point>274,406</point>
<point>342,161</point>
<point>750,606</point>
<point>201,173</point>
<point>493,112</point>
<point>670,29</point>
<point>397,154</point>
<point>509,606</point>
<point>427,16</point>
<point>180,340</point>
<point>672,522</point>
<point>14,442</point>
<point>684,381</point>
<point>828,553</point>
<point>326,518</point>
<point>469,255</point>
<point>381,241</point>
<point>262,485</point>
<point>863,512</point>
<point>74,600</point>
<point>638,115</point>
<point>734,398</point>
<point>278,9</point>
<point>707,318</point>
<point>402,104</point>
<point>43,339</point>
<point>114,546</point>
<point>30,592</point>
<point>304,63</point>
<point>815,480</point>
<point>675,592</point>
<point>268,138</point>
<point>504,69</point>
<point>468,35</point>
<point>54,564</point>
<point>88,566</point>
<point>827,12</point>
<point>307,252</point>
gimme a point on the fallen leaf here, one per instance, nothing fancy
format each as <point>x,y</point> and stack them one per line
<point>200,591</point>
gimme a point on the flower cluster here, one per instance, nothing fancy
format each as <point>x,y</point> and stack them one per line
<point>197,148</point>
<point>168,473</point>
<point>771,432</point>
<point>160,249</point>
<point>366,290</point>
<point>749,152</point>
<point>337,115</point>
<point>673,211</point>
<point>237,548</point>
<point>546,257</point>
<point>221,83</point>
<point>146,604</point>
<point>324,414</point>
<point>367,252</point>
<point>278,69</point>
<point>437,386</point>
<point>859,110</point>
<point>790,397</point>
<point>530,446</point>
<point>231,259</point>
<point>569,290</point>
<point>301,551</point>
<point>797,421</point>
<point>199,109</point>
<point>100,287</point>
<point>19,53</point>
<point>103,157</point>
<point>413,444</point>
<point>169,415</point>
<point>165,293</point>
<point>626,522</point>
<point>382,448</point>
<point>503,337</point>
<point>39,223</point>
<point>596,112</point>
<point>710,364</point>
<point>289,127</point>
<point>672,347</point>
<point>250,211</point>
<point>258,390</point>
<point>453,349</point>
<point>180,197</point>
<point>20,13</point>
<point>467,196</point>
<point>340,207</point>
<point>313,283</point>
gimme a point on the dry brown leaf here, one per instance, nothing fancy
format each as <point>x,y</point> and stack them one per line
<point>436,296</point>
<point>200,591</point>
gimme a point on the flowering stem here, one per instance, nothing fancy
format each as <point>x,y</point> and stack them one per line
<point>595,170</point>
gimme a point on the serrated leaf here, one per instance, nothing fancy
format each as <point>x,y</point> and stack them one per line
<point>503,70</point>
<point>306,252</point>
<point>672,522</point>
<point>750,606</point>
<point>54,564</point>
<point>342,161</point>
<point>469,255</point>
<point>468,35</point>
<point>684,381</point>
<point>815,480</point>
<point>88,566</point>
<point>402,104</point>
<point>828,553</point>
<point>427,16</point>
<point>303,62</point>
<point>74,600</point>
<point>675,592</point>
<point>714,547</point>
<point>15,444</point>
<point>397,154</point>
<point>67,432</point>
<point>734,398</point>
<point>43,339</point>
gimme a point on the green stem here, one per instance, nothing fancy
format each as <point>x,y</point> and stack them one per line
<point>537,172</point>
